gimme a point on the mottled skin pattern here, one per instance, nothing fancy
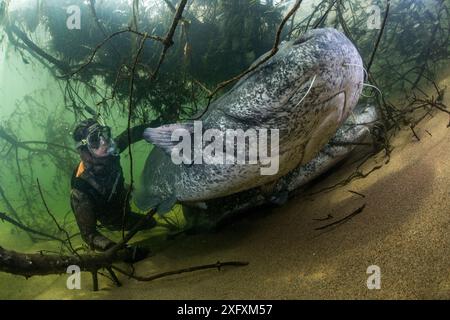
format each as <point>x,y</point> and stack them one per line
<point>355,129</point>
<point>207,215</point>
<point>271,98</point>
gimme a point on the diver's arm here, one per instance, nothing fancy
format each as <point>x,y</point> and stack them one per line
<point>135,136</point>
<point>87,221</point>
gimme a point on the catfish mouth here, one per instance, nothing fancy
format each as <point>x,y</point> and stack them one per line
<point>289,101</point>
<point>313,75</point>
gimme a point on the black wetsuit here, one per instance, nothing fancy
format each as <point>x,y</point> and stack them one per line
<point>99,194</point>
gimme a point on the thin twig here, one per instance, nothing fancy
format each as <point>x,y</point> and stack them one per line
<point>113,250</point>
<point>414,132</point>
<point>380,34</point>
<point>9,205</point>
<point>130,112</point>
<point>272,52</point>
<point>345,219</point>
<point>217,265</point>
<point>54,219</point>
<point>328,217</point>
<point>32,46</point>
<point>94,52</point>
<point>168,39</point>
<point>5,217</point>
<point>324,16</point>
<point>357,193</point>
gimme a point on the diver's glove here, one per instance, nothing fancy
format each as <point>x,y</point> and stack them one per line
<point>100,242</point>
<point>135,253</point>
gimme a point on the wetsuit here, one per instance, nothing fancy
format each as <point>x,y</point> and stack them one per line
<point>99,194</point>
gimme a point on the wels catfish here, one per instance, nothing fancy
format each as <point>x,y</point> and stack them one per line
<point>303,93</point>
<point>355,130</point>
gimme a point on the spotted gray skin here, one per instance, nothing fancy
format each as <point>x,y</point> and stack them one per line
<point>279,94</point>
<point>356,129</point>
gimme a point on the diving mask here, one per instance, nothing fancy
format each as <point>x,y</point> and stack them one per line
<point>99,141</point>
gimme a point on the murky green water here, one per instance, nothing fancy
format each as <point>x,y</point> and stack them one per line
<point>55,62</point>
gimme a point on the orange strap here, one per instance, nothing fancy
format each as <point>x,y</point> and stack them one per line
<point>80,169</point>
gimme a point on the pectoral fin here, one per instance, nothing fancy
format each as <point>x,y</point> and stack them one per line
<point>166,205</point>
<point>162,136</point>
<point>162,206</point>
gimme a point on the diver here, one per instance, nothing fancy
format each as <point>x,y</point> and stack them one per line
<point>98,190</point>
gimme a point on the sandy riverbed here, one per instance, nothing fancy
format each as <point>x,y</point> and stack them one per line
<point>404,229</point>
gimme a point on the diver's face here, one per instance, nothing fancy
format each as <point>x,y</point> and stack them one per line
<point>100,143</point>
<point>103,148</point>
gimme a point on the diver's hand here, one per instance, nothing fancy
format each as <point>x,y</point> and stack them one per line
<point>135,253</point>
<point>101,243</point>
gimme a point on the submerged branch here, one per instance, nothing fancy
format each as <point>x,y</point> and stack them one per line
<point>39,264</point>
<point>273,51</point>
<point>270,54</point>
<point>324,16</point>
<point>343,220</point>
<point>5,217</point>
<point>36,49</point>
<point>218,265</point>
<point>168,40</point>
<point>129,135</point>
<point>29,265</point>
<point>380,34</point>
<point>101,44</point>
<point>174,10</point>
<point>61,229</point>
<point>9,205</point>
<point>25,144</point>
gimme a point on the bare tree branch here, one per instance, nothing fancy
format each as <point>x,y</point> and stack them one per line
<point>272,52</point>
<point>218,265</point>
<point>168,39</point>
